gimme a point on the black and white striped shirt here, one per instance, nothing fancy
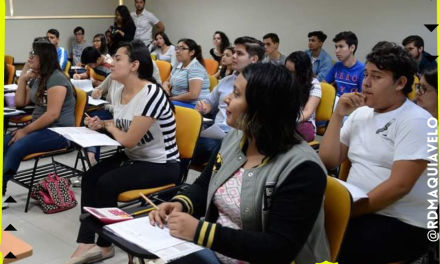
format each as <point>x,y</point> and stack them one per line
<point>158,145</point>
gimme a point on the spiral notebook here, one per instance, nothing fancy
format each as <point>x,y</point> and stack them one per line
<point>154,239</point>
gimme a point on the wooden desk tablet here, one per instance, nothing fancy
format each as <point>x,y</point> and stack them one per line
<point>14,245</point>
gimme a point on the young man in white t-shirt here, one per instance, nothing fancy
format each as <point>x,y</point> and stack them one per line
<point>385,138</point>
<point>145,21</point>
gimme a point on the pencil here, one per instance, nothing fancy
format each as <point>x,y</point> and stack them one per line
<point>149,201</point>
<point>142,211</point>
<point>87,115</point>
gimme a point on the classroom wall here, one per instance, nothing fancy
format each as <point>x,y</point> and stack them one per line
<point>372,21</point>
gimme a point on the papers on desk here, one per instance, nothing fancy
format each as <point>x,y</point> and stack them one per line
<point>12,111</point>
<point>96,102</point>
<point>356,192</point>
<point>11,87</point>
<point>76,67</point>
<point>207,120</point>
<point>214,132</point>
<point>85,85</point>
<point>18,73</point>
<point>85,137</point>
<point>152,238</point>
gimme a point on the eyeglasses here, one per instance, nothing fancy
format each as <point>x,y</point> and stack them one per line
<point>421,89</point>
<point>181,48</point>
<point>31,54</point>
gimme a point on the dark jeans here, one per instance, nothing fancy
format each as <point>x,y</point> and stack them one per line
<point>102,184</point>
<point>378,239</point>
<point>204,149</point>
<point>37,141</point>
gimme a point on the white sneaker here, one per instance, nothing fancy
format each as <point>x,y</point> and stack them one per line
<point>4,204</point>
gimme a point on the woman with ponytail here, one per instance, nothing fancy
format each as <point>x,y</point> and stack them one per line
<point>189,81</point>
<point>144,124</point>
<point>44,84</point>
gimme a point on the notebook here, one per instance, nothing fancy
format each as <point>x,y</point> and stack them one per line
<point>109,215</point>
<point>85,137</point>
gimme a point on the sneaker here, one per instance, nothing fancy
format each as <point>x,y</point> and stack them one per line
<point>77,182</point>
<point>4,204</point>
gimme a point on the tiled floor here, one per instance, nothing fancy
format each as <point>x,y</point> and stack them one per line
<point>52,236</point>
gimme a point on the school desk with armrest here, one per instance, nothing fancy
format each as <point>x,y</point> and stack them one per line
<point>188,127</point>
<point>27,178</point>
<point>324,111</point>
<point>14,245</point>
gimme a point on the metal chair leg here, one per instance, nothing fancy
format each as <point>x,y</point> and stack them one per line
<point>34,172</point>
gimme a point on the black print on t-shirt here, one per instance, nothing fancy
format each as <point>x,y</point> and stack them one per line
<point>124,125</point>
<point>384,131</point>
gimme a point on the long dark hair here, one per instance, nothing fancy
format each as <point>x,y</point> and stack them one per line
<point>48,60</point>
<point>192,45</point>
<point>225,40</point>
<point>304,73</point>
<point>137,51</point>
<point>165,38</point>
<point>103,49</point>
<point>273,99</point>
<point>430,75</point>
<point>127,20</point>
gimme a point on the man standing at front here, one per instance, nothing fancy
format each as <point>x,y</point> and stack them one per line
<point>144,22</point>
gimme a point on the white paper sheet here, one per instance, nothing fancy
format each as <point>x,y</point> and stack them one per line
<point>85,85</point>
<point>85,137</point>
<point>96,102</point>
<point>11,87</point>
<point>356,192</point>
<point>214,132</point>
<point>18,73</point>
<point>152,238</point>
<point>12,111</point>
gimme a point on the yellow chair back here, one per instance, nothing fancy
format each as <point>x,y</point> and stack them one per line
<point>413,94</point>
<point>164,69</point>
<point>11,70</point>
<point>212,82</point>
<point>67,69</point>
<point>94,75</point>
<point>325,108</point>
<point>9,59</point>
<point>153,57</point>
<point>80,106</point>
<point>211,66</point>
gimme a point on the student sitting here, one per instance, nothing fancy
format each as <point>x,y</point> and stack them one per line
<point>416,47</point>
<point>385,138</point>
<point>427,91</point>
<point>100,43</point>
<point>189,81</point>
<point>226,64</point>
<point>163,49</point>
<point>298,63</point>
<point>221,42</point>
<point>78,45</point>
<point>321,61</point>
<point>262,193</point>
<point>147,132</point>
<point>348,73</point>
<point>93,59</point>
<point>271,44</point>
<point>54,38</point>
<point>247,51</point>
<point>48,88</point>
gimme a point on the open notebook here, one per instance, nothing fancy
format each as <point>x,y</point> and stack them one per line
<point>356,192</point>
<point>152,238</point>
<point>85,137</point>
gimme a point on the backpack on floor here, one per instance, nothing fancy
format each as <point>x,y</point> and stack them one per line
<point>54,194</point>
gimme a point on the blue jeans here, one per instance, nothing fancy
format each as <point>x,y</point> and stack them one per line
<point>37,141</point>
<point>204,149</point>
<point>187,105</point>
<point>205,256</point>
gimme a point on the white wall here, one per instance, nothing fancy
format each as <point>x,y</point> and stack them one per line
<point>370,20</point>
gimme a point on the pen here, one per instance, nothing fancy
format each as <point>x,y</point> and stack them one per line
<point>87,115</point>
<point>149,201</point>
<point>142,211</point>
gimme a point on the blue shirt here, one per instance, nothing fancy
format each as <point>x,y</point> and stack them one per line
<point>348,80</point>
<point>217,100</point>
<point>180,78</point>
<point>322,64</point>
<point>62,57</point>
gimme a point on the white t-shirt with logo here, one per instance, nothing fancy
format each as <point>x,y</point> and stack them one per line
<point>376,141</point>
<point>159,143</point>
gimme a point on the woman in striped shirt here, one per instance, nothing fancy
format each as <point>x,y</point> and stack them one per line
<point>143,122</point>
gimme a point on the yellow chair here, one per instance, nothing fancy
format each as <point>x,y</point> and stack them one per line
<point>9,59</point>
<point>67,69</point>
<point>324,111</point>
<point>188,127</point>
<point>337,209</point>
<point>211,66</point>
<point>153,57</point>
<point>164,69</point>
<point>413,94</point>
<point>28,177</point>
<point>11,70</point>
<point>212,82</point>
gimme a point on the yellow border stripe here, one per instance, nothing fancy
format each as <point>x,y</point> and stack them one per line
<point>187,201</point>
<point>211,235</point>
<point>2,66</point>
<point>202,233</point>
